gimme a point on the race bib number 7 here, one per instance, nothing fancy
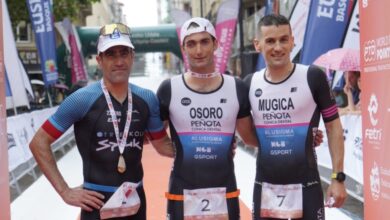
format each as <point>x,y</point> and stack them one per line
<point>205,204</point>
<point>281,201</point>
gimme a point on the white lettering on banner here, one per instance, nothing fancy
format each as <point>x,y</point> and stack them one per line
<point>385,196</point>
<point>377,50</point>
<point>341,10</point>
<point>385,183</point>
<point>37,16</point>
<point>383,53</point>
<point>224,34</point>
<point>325,8</point>
<point>373,134</point>
<point>375,185</point>
<point>385,171</point>
<point>152,34</point>
<point>49,26</point>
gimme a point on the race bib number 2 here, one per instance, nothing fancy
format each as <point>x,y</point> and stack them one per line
<point>205,204</point>
<point>281,201</point>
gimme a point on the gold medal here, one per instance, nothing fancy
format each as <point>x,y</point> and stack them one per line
<point>121,164</point>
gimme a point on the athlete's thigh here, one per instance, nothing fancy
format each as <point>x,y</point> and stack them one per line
<point>233,208</point>
<point>256,202</point>
<point>175,210</point>
<point>313,203</point>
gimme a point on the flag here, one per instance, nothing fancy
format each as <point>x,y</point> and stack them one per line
<point>8,93</point>
<point>4,175</point>
<point>326,26</point>
<point>41,16</point>
<point>16,79</point>
<point>72,42</point>
<point>225,29</point>
<point>179,17</point>
<point>298,21</point>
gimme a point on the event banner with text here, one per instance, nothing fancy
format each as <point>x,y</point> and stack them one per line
<point>4,181</point>
<point>375,62</point>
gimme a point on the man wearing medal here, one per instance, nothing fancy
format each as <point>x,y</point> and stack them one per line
<point>204,108</point>
<point>110,119</point>
<point>287,102</point>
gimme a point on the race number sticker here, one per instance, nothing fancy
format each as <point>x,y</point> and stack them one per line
<point>124,202</point>
<point>281,201</point>
<point>205,204</point>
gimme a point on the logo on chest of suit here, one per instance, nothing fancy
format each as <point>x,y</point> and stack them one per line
<point>258,92</point>
<point>206,118</point>
<point>276,104</point>
<point>276,110</point>
<point>134,117</point>
<point>186,101</point>
<point>107,144</point>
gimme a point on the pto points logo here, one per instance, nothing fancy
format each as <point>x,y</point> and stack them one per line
<point>377,49</point>
<point>369,51</point>
<point>375,182</point>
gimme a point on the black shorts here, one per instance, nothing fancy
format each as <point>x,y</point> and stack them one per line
<point>141,214</point>
<point>175,209</point>
<point>313,203</point>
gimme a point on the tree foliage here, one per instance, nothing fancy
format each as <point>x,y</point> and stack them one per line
<point>62,8</point>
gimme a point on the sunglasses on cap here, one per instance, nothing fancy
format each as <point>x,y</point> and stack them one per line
<point>110,28</point>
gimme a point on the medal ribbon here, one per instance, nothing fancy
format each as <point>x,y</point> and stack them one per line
<point>121,142</point>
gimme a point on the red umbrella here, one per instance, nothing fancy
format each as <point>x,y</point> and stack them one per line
<point>344,59</point>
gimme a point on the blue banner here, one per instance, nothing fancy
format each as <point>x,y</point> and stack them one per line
<point>326,27</point>
<point>41,15</point>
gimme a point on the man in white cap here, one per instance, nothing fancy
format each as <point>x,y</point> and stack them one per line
<point>204,108</point>
<point>110,119</point>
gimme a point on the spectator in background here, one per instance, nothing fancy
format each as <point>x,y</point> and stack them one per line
<point>79,84</point>
<point>352,92</point>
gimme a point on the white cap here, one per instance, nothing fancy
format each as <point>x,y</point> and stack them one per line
<point>203,25</point>
<point>114,39</point>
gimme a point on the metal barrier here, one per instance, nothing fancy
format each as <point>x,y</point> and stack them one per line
<point>28,168</point>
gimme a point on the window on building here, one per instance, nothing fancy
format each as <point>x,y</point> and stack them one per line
<point>23,32</point>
